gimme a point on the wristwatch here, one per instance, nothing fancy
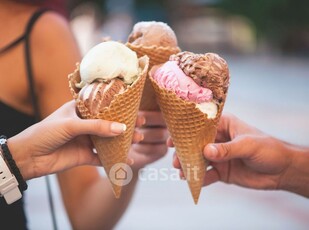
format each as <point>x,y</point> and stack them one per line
<point>8,183</point>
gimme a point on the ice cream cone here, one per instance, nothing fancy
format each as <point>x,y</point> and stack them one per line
<point>157,55</point>
<point>122,109</point>
<point>191,131</point>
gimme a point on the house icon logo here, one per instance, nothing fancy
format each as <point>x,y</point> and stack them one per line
<point>120,174</point>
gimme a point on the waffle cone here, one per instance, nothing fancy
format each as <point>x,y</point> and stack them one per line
<point>123,109</point>
<point>157,55</point>
<point>190,130</point>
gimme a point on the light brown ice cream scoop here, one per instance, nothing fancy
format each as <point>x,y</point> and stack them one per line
<point>99,95</point>
<point>149,33</point>
<point>207,70</point>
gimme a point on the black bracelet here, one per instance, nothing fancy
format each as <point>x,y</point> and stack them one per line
<point>9,159</point>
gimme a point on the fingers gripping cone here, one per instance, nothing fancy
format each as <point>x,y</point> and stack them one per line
<point>123,109</point>
<point>157,55</point>
<point>190,130</point>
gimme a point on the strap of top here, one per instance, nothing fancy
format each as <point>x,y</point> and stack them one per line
<point>12,44</point>
<point>29,70</point>
<point>28,60</point>
<point>26,32</point>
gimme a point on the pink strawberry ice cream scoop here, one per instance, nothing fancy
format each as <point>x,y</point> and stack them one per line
<point>171,77</point>
<point>199,78</point>
<point>207,70</point>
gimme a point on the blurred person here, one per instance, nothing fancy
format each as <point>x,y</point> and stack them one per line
<point>245,156</point>
<point>37,53</point>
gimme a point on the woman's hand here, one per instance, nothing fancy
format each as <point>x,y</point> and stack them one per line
<point>59,142</point>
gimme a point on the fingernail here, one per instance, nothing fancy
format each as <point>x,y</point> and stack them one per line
<point>143,120</point>
<point>118,127</point>
<point>141,136</point>
<point>130,161</point>
<point>212,151</point>
<point>138,137</point>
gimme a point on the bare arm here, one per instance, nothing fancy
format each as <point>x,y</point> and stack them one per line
<point>296,177</point>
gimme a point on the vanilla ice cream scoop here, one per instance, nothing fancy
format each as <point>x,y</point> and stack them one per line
<point>109,60</point>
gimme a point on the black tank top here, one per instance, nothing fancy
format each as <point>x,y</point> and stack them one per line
<point>13,121</point>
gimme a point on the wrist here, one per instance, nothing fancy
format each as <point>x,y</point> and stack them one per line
<point>22,159</point>
<point>296,178</point>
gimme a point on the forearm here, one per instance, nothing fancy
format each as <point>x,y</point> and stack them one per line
<point>296,178</point>
<point>97,207</point>
<point>108,210</point>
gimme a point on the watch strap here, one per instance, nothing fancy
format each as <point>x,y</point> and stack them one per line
<point>8,183</point>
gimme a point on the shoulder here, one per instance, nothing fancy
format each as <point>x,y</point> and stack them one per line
<point>51,22</point>
<point>53,44</point>
<point>52,28</point>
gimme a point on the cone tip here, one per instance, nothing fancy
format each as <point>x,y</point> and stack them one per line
<point>196,198</point>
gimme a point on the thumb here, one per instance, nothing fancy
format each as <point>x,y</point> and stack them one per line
<point>237,148</point>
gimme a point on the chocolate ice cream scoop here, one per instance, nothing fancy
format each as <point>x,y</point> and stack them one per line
<point>207,70</point>
<point>98,95</point>
<point>151,33</point>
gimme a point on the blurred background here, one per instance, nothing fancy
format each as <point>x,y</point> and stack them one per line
<point>266,44</point>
